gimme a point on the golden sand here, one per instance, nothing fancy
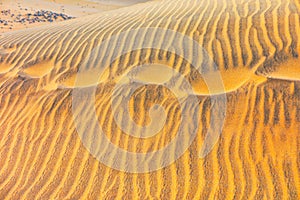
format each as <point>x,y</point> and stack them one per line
<point>255,45</point>
<point>72,8</point>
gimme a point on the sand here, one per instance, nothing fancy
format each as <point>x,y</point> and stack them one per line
<point>77,8</point>
<point>255,46</point>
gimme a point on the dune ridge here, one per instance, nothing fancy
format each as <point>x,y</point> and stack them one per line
<point>213,38</point>
<point>252,43</point>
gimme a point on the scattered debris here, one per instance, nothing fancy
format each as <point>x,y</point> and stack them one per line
<point>9,18</point>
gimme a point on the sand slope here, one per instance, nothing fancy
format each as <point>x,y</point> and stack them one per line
<point>257,156</point>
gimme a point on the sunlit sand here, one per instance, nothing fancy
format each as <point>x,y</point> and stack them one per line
<point>255,46</point>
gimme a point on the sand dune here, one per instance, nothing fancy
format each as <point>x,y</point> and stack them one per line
<point>21,14</point>
<point>255,47</point>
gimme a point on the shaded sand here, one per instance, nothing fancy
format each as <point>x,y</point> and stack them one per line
<point>255,45</point>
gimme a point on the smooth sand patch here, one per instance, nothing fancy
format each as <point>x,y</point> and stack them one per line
<point>39,69</point>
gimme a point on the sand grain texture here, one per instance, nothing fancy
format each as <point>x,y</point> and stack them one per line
<point>256,46</point>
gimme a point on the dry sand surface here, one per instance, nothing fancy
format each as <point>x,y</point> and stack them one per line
<point>255,45</point>
<point>22,14</point>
